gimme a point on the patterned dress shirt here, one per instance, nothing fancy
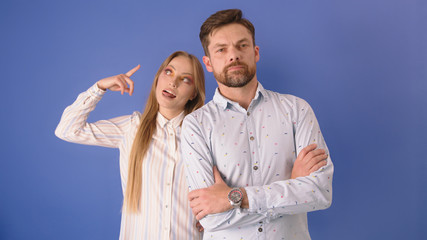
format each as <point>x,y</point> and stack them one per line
<point>165,212</point>
<point>256,149</point>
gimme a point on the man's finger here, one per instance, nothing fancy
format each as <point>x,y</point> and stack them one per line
<point>318,166</point>
<point>306,150</point>
<point>199,226</point>
<point>200,215</point>
<point>133,70</point>
<point>313,154</point>
<point>197,209</point>
<point>195,212</point>
<point>194,203</point>
<point>315,160</point>
<point>318,151</point>
<point>193,194</point>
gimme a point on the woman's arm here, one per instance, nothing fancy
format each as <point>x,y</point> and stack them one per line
<point>73,126</point>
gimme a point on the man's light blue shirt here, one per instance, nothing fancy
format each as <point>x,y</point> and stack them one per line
<point>256,149</point>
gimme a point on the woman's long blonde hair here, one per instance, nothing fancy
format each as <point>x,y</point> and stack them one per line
<point>147,128</point>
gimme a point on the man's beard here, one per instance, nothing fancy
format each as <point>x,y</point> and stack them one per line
<point>236,78</point>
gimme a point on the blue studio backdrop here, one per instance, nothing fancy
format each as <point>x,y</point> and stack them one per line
<point>362,65</point>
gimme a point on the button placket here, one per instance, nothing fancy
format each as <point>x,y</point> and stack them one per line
<point>172,137</point>
<point>170,166</point>
<point>250,126</point>
<point>261,231</point>
<point>168,195</point>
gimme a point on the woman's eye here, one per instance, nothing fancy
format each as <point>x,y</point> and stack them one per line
<point>168,72</point>
<point>186,80</point>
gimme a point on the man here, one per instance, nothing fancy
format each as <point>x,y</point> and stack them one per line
<point>253,136</point>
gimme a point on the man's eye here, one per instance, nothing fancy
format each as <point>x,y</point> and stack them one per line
<point>220,50</point>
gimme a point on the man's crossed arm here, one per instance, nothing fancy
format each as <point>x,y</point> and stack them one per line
<point>214,199</point>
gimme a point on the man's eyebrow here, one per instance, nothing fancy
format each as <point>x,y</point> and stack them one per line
<point>216,45</point>
<point>219,45</point>
<point>243,40</point>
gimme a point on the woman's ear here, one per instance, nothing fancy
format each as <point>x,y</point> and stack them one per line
<point>194,96</point>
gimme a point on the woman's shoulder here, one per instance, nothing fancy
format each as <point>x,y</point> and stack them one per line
<point>135,118</point>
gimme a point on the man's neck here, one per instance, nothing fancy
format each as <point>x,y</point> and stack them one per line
<point>241,95</point>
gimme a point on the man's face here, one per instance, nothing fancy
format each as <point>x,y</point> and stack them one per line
<point>232,55</point>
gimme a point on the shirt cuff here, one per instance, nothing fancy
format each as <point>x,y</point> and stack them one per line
<point>96,92</point>
<point>256,198</point>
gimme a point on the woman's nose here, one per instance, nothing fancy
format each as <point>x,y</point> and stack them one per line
<point>173,82</point>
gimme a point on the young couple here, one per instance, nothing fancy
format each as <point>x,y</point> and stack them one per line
<point>248,165</point>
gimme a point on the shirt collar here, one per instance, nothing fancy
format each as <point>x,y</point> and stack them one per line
<point>176,121</point>
<point>224,102</point>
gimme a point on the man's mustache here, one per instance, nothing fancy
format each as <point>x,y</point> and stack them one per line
<point>236,63</point>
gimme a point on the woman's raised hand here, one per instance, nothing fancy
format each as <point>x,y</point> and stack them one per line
<point>121,82</point>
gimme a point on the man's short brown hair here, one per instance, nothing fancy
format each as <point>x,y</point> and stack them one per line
<point>220,19</point>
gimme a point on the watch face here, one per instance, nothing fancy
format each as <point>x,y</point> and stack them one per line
<point>235,196</point>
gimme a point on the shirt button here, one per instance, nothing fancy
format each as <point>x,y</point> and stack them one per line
<point>252,138</point>
<point>259,229</point>
<point>255,168</point>
<point>248,113</point>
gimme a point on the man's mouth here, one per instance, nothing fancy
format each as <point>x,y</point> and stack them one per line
<point>236,68</point>
<point>168,93</point>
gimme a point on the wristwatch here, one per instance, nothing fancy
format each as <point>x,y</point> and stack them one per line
<point>235,196</point>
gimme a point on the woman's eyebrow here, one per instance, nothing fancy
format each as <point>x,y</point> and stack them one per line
<point>183,72</point>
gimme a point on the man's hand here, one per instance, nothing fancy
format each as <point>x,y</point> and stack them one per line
<point>309,160</point>
<point>213,199</point>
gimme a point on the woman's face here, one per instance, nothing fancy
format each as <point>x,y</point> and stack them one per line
<point>175,86</point>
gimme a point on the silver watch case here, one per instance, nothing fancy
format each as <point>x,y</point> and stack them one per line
<point>235,196</point>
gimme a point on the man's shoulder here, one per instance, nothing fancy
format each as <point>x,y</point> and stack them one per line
<point>285,99</point>
<point>207,110</point>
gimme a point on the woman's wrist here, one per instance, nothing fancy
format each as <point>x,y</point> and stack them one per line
<point>100,86</point>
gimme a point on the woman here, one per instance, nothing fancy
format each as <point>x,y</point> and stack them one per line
<point>153,180</point>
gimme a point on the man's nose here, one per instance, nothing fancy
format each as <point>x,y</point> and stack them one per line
<point>234,54</point>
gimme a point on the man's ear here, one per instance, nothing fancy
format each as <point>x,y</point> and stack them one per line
<point>256,53</point>
<point>207,62</point>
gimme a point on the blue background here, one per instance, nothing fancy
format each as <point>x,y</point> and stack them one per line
<point>362,65</point>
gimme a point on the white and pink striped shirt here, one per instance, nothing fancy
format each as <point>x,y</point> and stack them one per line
<point>165,212</point>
